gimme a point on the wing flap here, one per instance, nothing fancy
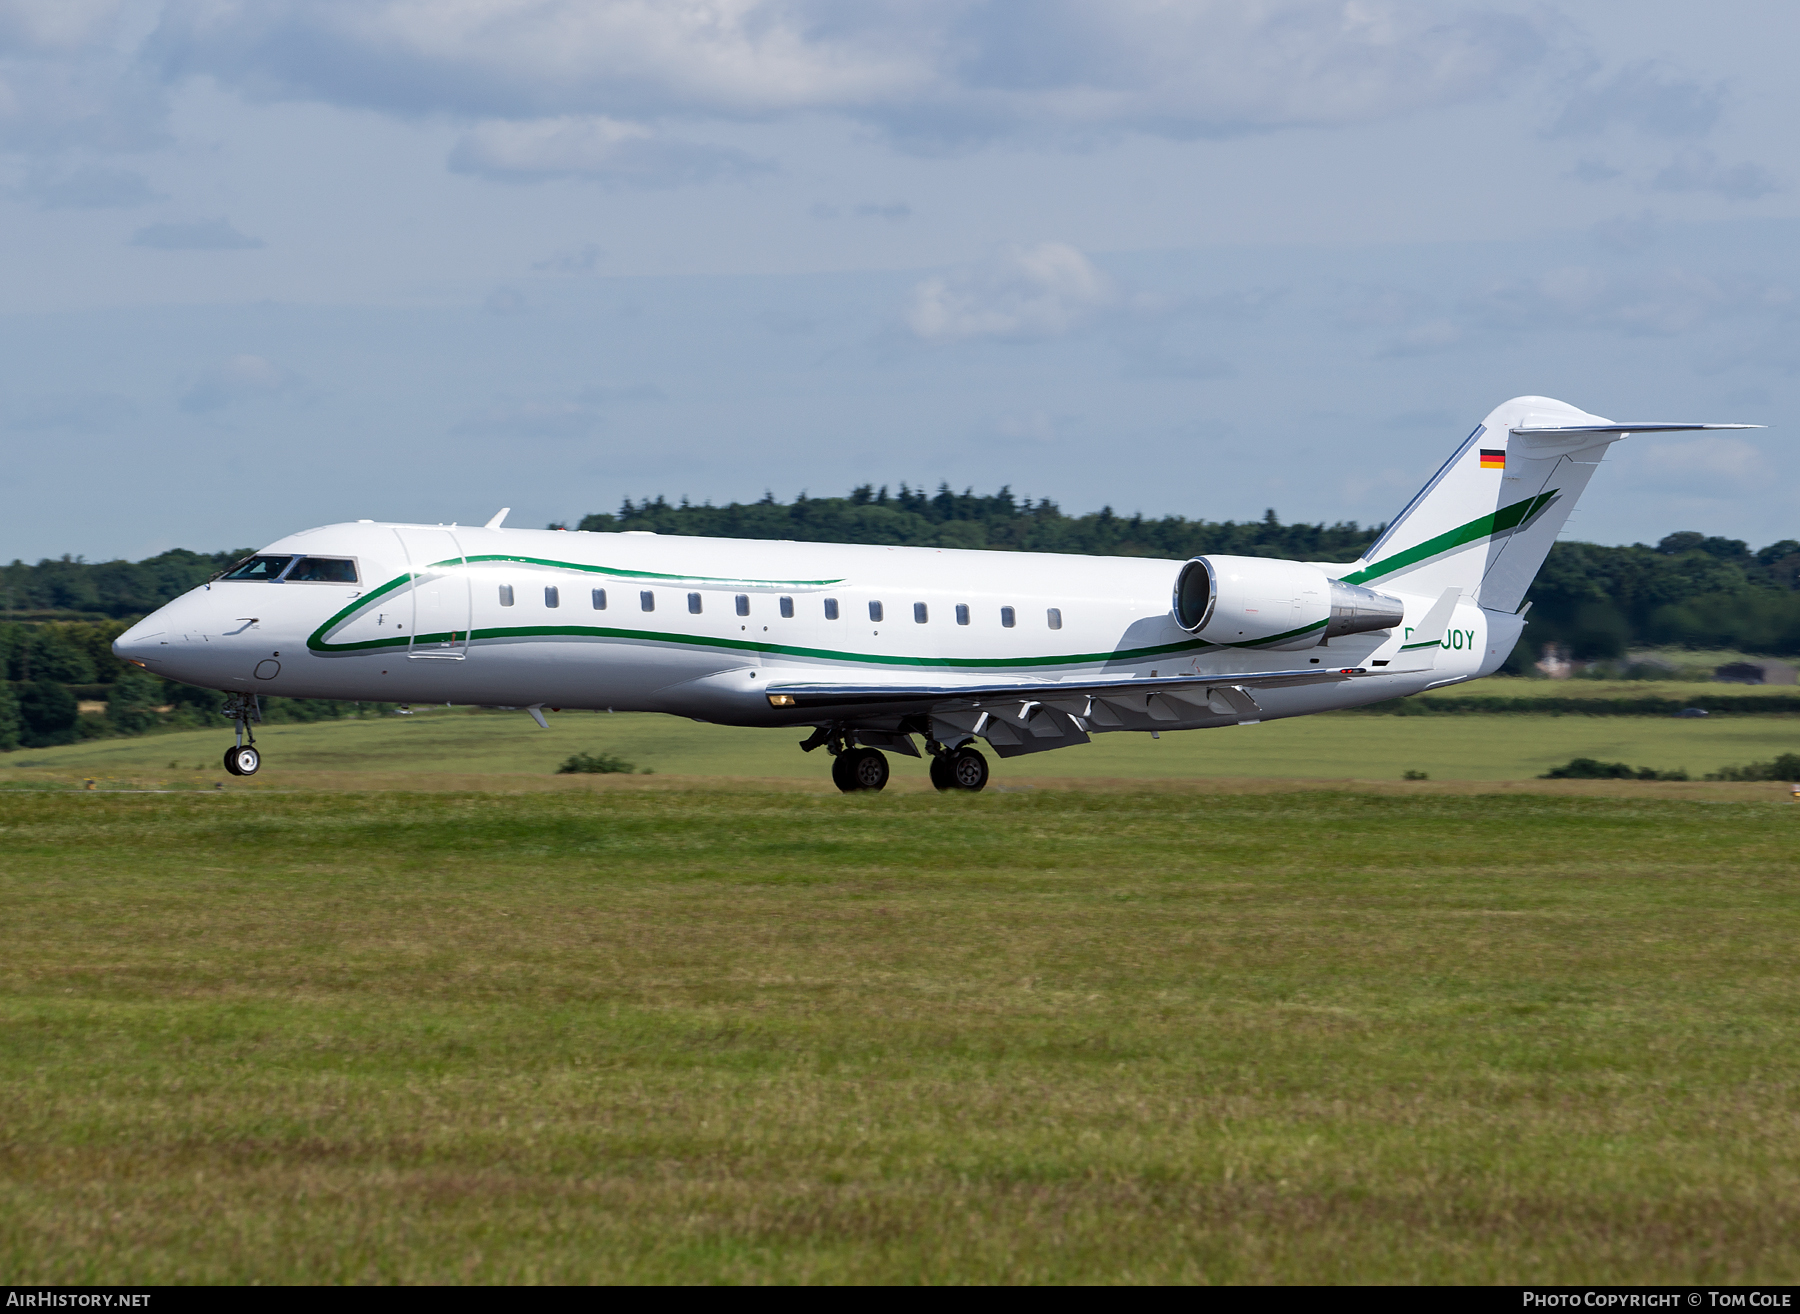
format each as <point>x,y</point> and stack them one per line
<point>1071,696</point>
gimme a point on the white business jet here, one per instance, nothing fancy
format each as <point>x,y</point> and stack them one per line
<point>874,647</point>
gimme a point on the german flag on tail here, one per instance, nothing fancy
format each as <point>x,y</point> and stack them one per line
<point>1493,458</point>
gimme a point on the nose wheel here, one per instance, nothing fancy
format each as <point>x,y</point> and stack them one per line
<point>242,759</point>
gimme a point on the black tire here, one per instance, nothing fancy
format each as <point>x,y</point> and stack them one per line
<point>868,769</point>
<point>940,773</point>
<point>840,770</point>
<point>243,761</point>
<point>231,759</point>
<point>968,770</point>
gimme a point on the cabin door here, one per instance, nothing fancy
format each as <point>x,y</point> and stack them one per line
<point>440,594</point>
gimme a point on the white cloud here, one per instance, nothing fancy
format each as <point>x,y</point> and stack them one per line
<point>1715,465</point>
<point>1646,98</point>
<point>241,379</point>
<point>199,235</point>
<point>1437,334</point>
<point>941,70</point>
<point>1702,171</point>
<point>583,260</point>
<point>1020,293</point>
<point>580,416</point>
<point>75,412</point>
<point>593,147</point>
<point>90,187</point>
<point>59,26</point>
<point>69,78</point>
<point>1665,301</point>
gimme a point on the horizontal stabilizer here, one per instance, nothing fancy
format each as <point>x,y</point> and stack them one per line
<point>1627,428</point>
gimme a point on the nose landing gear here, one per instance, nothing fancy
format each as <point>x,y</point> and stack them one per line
<point>242,759</point>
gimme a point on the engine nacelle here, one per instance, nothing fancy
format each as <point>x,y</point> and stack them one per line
<point>1284,605</point>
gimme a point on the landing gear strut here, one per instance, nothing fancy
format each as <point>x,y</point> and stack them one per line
<point>242,759</point>
<point>852,768</point>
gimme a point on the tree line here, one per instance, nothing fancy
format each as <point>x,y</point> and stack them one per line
<point>63,685</point>
<point>1687,590</point>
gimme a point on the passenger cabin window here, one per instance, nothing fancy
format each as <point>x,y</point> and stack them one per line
<point>258,568</point>
<point>506,595</point>
<point>599,599</point>
<point>1008,617</point>
<point>830,608</point>
<point>647,600</point>
<point>1054,616</point>
<point>962,613</point>
<point>323,570</point>
<point>787,609</point>
<point>743,604</point>
<point>552,597</point>
<point>694,603</point>
<point>920,613</point>
<point>874,611</point>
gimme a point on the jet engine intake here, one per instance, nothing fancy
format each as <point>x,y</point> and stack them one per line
<point>1256,602</point>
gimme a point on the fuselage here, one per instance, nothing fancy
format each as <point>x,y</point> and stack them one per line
<point>700,627</point>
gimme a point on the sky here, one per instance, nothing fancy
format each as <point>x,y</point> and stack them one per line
<point>278,264</point>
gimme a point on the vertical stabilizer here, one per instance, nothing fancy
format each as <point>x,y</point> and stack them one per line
<point>1485,522</point>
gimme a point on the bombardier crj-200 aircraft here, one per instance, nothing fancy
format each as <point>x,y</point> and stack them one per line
<point>874,647</point>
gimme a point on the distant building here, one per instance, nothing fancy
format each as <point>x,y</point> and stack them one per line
<point>1555,663</point>
<point>1778,672</point>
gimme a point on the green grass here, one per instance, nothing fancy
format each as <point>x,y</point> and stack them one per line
<point>1505,686</point>
<point>690,1035</point>
<point>1318,747</point>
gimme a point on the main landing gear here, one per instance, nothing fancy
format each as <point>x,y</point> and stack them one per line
<point>855,768</point>
<point>860,768</point>
<point>242,759</point>
<point>961,768</point>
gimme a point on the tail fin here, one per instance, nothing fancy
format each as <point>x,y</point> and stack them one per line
<point>1485,522</point>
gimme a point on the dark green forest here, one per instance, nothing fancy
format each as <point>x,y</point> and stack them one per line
<point>1687,590</point>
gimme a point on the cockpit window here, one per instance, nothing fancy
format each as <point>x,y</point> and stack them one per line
<point>258,568</point>
<point>323,570</point>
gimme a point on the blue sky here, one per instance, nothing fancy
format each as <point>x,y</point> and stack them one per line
<point>272,265</point>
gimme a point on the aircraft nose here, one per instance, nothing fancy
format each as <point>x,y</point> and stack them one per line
<point>138,644</point>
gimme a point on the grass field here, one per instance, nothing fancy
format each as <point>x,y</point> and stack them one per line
<point>1332,747</point>
<point>747,1035</point>
<point>1504,686</point>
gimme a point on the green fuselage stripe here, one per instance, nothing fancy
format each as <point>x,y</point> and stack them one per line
<point>317,642</point>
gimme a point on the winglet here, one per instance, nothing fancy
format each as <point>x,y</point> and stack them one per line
<point>1419,649</point>
<point>499,516</point>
